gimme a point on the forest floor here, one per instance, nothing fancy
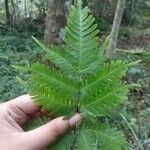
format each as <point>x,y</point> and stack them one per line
<point>137,119</point>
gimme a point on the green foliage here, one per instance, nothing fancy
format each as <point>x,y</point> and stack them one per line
<point>103,11</point>
<point>36,122</point>
<point>14,50</point>
<point>82,82</point>
<point>137,13</point>
<point>16,42</point>
<point>41,5</point>
<point>136,114</point>
<point>93,137</point>
<point>9,87</point>
<point>101,137</point>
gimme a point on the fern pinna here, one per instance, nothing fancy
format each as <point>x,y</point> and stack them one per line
<point>82,83</point>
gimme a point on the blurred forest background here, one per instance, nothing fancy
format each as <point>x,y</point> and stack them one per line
<point>45,19</point>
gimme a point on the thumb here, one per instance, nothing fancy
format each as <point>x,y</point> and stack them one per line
<point>41,137</point>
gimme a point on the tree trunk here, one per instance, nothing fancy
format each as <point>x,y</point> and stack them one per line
<point>111,51</point>
<point>56,19</point>
<point>13,14</point>
<point>7,12</point>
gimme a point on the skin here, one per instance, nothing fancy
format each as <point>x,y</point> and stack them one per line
<point>15,113</point>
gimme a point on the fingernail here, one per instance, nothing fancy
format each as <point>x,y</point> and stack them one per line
<point>75,120</point>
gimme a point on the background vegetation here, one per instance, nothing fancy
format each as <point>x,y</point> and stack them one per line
<point>21,19</point>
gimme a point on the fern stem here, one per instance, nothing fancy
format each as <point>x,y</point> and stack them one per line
<point>78,100</point>
<point>78,94</point>
<point>75,131</point>
<point>74,144</point>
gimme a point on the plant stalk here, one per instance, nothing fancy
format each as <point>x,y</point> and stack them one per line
<point>75,131</point>
<point>74,144</point>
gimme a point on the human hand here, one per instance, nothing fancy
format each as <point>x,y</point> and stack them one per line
<point>15,113</point>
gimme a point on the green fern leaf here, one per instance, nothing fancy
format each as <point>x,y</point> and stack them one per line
<point>63,143</point>
<point>109,73</point>
<point>82,82</point>
<point>48,88</point>
<point>93,137</point>
<point>96,137</point>
<point>104,92</point>
<point>57,58</point>
<point>106,101</point>
<point>81,29</point>
<point>56,82</point>
<point>42,96</point>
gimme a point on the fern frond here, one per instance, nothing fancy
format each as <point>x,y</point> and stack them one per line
<point>81,29</point>
<point>82,83</point>
<point>103,93</point>
<point>80,57</point>
<point>57,58</point>
<point>56,82</point>
<point>51,102</point>
<point>109,73</point>
<point>95,137</point>
<point>48,88</point>
<point>102,49</point>
<point>95,66</point>
<point>106,100</point>
<point>63,143</point>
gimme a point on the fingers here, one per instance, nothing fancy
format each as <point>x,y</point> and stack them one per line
<point>48,133</point>
<point>21,109</point>
<point>25,104</point>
